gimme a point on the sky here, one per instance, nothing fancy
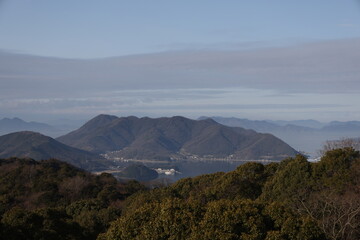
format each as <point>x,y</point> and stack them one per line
<point>281,59</point>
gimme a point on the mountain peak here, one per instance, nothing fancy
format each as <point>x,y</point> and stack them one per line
<point>9,125</point>
<point>37,146</point>
<point>12,120</point>
<point>27,134</point>
<point>102,117</point>
<point>99,121</point>
<point>209,120</point>
<point>163,138</point>
<point>17,119</point>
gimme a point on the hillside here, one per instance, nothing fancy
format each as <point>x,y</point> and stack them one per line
<point>293,199</point>
<point>53,200</point>
<point>37,146</point>
<point>175,137</point>
<point>303,135</point>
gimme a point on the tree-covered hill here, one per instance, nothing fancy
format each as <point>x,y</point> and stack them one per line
<point>54,200</point>
<point>34,145</point>
<point>291,200</point>
<point>175,137</point>
<point>294,199</point>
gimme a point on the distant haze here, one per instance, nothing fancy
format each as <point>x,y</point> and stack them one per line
<point>281,60</point>
<point>318,81</point>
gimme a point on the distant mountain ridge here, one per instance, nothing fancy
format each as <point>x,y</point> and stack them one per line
<point>175,137</point>
<point>304,135</point>
<point>10,125</point>
<point>309,123</point>
<point>343,126</point>
<point>39,147</point>
<point>304,125</point>
<point>263,125</point>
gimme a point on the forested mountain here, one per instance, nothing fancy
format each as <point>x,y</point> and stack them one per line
<point>303,135</point>
<point>176,137</point>
<point>39,147</point>
<point>293,199</point>
<point>54,200</point>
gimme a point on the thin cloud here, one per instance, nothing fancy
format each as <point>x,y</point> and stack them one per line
<point>184,80</point>
<point>318,67</point>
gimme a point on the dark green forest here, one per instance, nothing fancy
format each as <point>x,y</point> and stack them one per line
<point>54,200</point>
<point>292,199</point>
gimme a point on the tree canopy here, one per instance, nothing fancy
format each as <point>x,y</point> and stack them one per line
<point>290,200</point>
<point>293,199</point>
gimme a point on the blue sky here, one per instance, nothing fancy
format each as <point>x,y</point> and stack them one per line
<point>281,59</point>
<point>93,28</point>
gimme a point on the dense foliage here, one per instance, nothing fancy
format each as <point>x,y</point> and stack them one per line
<point>293,199</point>
<point>290,200</point>
<point>54,200</point>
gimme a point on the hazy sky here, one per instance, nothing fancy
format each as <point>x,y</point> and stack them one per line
<point>281,59</point>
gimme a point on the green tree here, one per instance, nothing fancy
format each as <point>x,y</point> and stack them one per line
<point>292,181</point>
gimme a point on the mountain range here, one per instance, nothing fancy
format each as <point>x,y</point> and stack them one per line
<point>61,127</point>
<point>8,125</point>
<point>173,138</point>
<point>303,135</point>
<point>39,147</point>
